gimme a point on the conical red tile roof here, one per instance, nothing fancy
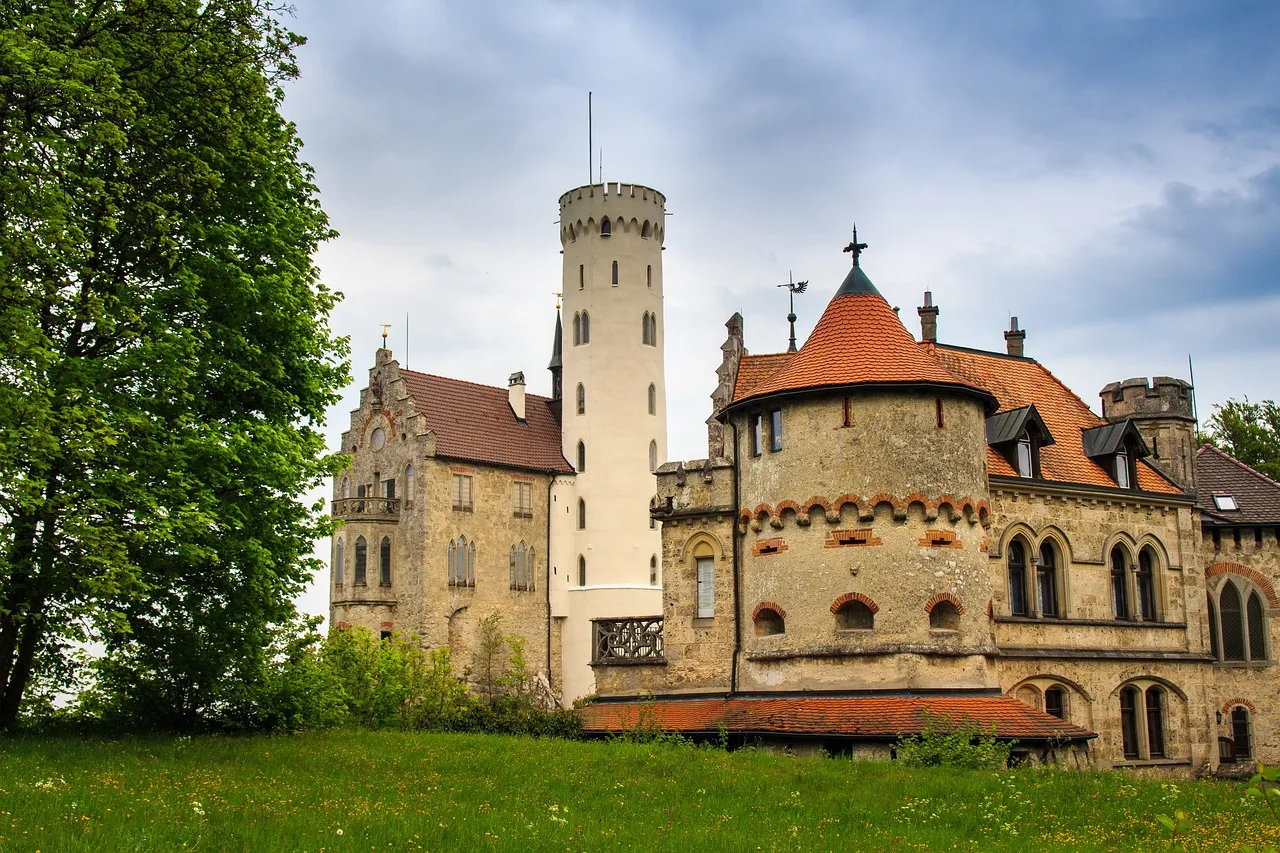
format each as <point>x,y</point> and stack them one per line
<point>858,341</point>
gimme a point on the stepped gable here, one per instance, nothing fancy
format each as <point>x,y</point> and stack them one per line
<point>859,340</point>
<point>475,423</point>
<point>1017,382</point>
<point>870,717</point>
<point>1219,473</point>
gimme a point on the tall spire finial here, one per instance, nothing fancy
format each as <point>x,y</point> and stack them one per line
<point>855,248</point>
<point>793,287</point>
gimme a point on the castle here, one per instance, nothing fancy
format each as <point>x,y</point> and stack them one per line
<point>884,530</point>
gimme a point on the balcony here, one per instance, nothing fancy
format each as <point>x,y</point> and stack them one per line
<point>622,642</point>
<point>367,509</point>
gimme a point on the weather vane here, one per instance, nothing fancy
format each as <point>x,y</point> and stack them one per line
<point>793,287</point>
<point>385,326</point>
<point>558,295</point>
<point>855,248</point>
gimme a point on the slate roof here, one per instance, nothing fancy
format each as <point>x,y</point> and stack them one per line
<point>475,423</point>
<point>1018,382</point>
<point>1257,495</point>
<point>871,717</point>
<point>1007,426</point>
<point>859,340</point>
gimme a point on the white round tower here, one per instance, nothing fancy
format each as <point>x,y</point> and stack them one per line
<point>614,421</point>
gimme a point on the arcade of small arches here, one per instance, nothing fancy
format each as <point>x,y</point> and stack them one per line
<point>609,226</point>
<point>361,568</point>
<point>946,506</point>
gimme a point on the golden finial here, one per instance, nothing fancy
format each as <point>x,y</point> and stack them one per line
<point>558,295</point>
<point>385,326</point>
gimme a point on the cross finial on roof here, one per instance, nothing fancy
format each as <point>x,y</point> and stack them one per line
<point>855,248</point>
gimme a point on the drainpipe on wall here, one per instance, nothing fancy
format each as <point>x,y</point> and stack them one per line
<point>550,482</point>
<point>737,599</point>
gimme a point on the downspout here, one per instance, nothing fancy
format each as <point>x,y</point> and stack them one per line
<point>737,599</point>
<point>550,482</point>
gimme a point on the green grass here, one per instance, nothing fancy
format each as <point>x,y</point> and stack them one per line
<point>391,791</point>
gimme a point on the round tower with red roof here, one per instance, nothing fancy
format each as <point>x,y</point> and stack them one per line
<point>862,494</point>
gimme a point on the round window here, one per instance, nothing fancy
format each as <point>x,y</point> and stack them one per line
<point>378,438</point>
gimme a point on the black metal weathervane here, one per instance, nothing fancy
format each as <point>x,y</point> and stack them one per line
<point>793,287</point>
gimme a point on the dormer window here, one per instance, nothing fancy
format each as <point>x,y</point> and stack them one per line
<point>1226,503</point>
<point>1116,447</point>
<point>1018,435</point>
<point>1025,469</point>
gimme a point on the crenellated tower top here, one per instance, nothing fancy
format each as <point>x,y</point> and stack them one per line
<point>628,209</point>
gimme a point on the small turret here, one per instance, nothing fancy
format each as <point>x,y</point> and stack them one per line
<point>1162,412</point>
<point>557,364</point>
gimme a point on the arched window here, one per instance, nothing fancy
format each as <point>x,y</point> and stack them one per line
<point>1129,721</point>
<point>410,484</point>
<point>653,570</point>
<point>511,569</point>
<point>704,561</point>
<point>384,562</point>
<point>653,399</point>
<point>582,570</point>
<point>582,514</point>
<point>644,230</point>
<point>586,328</point>
<point>582,399</point>
<point>944,617</point>
<point>529,580</point>
<point>1047,580</point>
<point>521,567</point>
<point>1055,702</point>
<point>653,457</point>
<point>1242,732</point>
<point>769,622</point>
<point>582,456</point>
<point>1017,578</point>
<point>855,616</point>
<point>605,228</point>
<point>362,560</point>
<point>453,563</point>
<point>1155,722</point>
<point>577,328</point>
<point>653,330</point>
<point>1257,627</point>
<point>1146,581</point>
<point>1232,617</point>
<point>339,562</point>
<point>471,564</point>
<point>615,273</point>
<point>1213,628</point>
<point>346,487</point>
<point>644,328</point>
<point>1119,584</point>
<point>462,562</point>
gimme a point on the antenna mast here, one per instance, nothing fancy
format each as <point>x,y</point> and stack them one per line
<point>590,145</point>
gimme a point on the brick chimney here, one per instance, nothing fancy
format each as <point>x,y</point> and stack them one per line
<point>1015,337</point>
<point>928,319</point>
<point>515,394</point>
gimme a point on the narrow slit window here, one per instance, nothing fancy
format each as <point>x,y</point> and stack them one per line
<point>938,411</point>
<point>775,430</point>
<point>582,277</point>
<point>615,273</point>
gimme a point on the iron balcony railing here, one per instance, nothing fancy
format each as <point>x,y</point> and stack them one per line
<point>627,641</point>
<point>367,509</point>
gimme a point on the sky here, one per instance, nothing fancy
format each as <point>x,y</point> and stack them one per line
<point>1108,172</point>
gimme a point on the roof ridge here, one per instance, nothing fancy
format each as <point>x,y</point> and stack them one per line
<point>1244,465</point>
<point>497,388</point>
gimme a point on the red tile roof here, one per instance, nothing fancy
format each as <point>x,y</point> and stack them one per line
<point>859,340</point>
<point>754,369</point>
<point>1218,473</point>
<point>869,717</point>
<point>475,423</point>
<point>1018,382</point>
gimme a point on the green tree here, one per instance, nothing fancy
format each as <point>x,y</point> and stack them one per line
<point>165,355</point>
<point>1250,432</point>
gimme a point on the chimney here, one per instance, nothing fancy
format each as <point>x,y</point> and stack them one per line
<point>1015,337</point>
<point>928,319</point>
<point>515,394</point>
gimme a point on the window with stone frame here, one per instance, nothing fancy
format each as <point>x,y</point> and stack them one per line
<point>653,399</point>
<point>384,562</point>
<point>1144,720</point>
<point>653,457</point>
<point>756,422</point>
<point>1238,622</point>
<point>582,456</point>
<point>1047,580</point>
<point>775,430</point>
<point>410,484</point>
<point>1242,732</point>
<point>460,493</point>
<point>521,567</point>
<point>362,561</point>
<point>1018,602</point>
<point>1129,722</point>
<point>462,562</point>
<point>1119,583</point>
<point>582,399</point>
<point>523,500</point>
<point>582,570</point>
<point>339,562</point>
<point>1145,581</point>
<point>1055,702</point>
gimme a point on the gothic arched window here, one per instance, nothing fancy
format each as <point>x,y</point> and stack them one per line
<point>653,399</point>
<point>384,562</point>
<point>605,228</point>
<point>582,399</point>
<point>653,457</point>
<point>582,514</point>
<point>1047,580</point>
<point>582,570</point>
<point>1119,584</point>
<point>644,328</point>
<point>615,273</point>
<point>577,328</point>
<point>586,328</point>
<point>582,456</point>
<point>339,562</point>
<point>362,560</point>
<point>1018,578</point>
<point>1146,581</point>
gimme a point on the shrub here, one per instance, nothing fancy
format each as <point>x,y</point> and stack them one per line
<point>945,743</point>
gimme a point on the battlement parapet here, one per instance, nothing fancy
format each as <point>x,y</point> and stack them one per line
<point>614,190</point>
<point>1138,398</point>
<point>628,209</point>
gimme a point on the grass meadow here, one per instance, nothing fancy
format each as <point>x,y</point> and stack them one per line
<point>372,791</point>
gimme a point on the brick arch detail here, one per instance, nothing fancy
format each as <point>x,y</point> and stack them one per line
<point>854,596</point>
<point>767,605</point>
<point>940,597</point>
<point>839,503</point>
<point>1231,703</point>
<point>1252,575</point>
<point>764,511</point>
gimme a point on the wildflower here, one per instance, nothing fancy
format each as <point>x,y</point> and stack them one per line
<point>197,808</point>
<point>339,830</point>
